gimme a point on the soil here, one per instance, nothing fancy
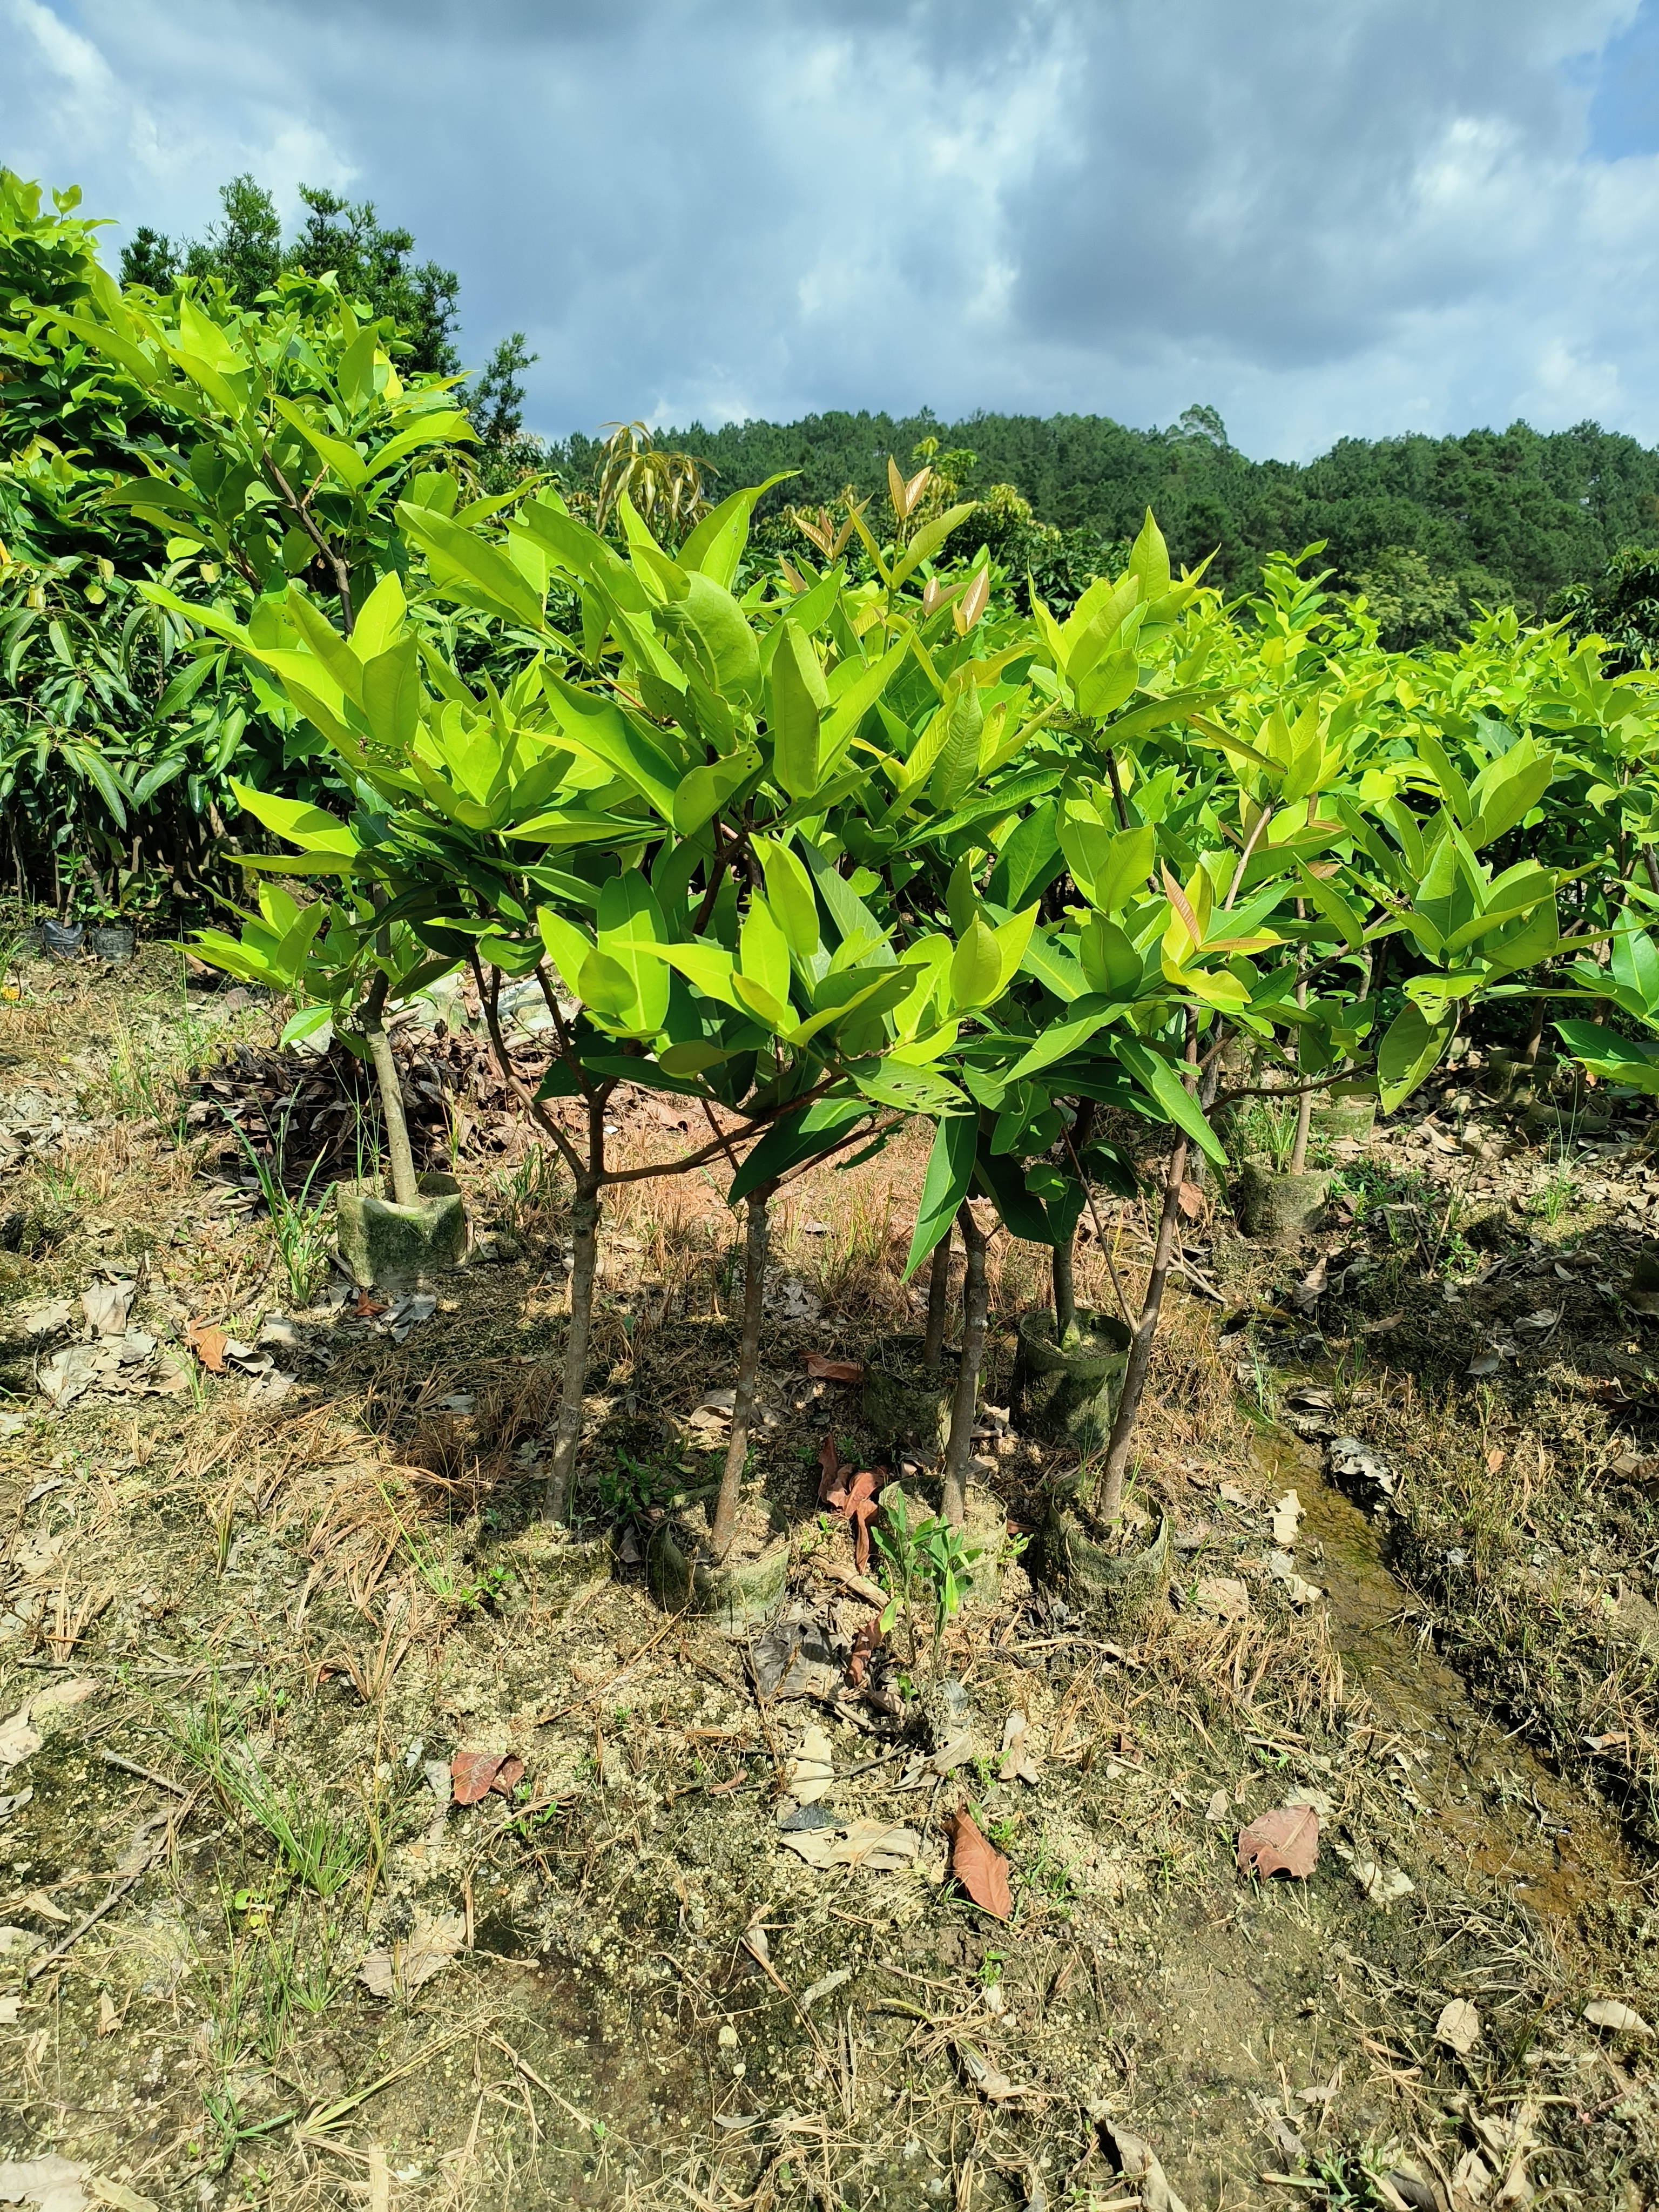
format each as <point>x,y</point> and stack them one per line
<point>257,1604</point>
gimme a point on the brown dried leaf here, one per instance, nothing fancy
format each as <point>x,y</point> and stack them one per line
<point>982,1872</point>
<point>508,1776</point>
<point>1284,1841</point>
<point>825,1370</point>
<point>474,1773</point>
<point>429,1948</point>
<point>208,1343</point>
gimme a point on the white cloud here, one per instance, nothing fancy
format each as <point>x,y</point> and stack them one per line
<point>1324,220</point>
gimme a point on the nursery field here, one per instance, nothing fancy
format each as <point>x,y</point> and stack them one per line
<point>831,1390</point>
<point>365,1845</point>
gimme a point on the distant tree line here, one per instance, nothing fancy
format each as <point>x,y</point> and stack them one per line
<point>1429,529</point>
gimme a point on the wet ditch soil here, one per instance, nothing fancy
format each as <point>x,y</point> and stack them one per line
<point>278,1609</point>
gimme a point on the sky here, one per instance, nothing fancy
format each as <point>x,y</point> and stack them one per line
<point>1322,217</point>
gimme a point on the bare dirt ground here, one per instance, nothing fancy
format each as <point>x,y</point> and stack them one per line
<point>271,1564</point>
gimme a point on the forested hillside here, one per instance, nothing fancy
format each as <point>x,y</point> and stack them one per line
<point>1429,524</point>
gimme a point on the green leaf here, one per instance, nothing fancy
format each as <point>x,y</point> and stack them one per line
<point>910,1090</point>
<point>1023,1214</point>
<point>1149,560</point>
<point>347,463</point>
<point>702,793</point>
<point>715,546</point>
<point>788,1142</point>
<point>628,917</point>
<point>975,967</point>
<point>928,539</point>
<point>1334,907</point>
<point>1158,1080</point>
<point>459,551</point>
<point>949,1175</point>
<point>1108,683</point>
<point>789,895</point>
<point>1063,1038</point>
<point>1108,958</point>
<point>724,629</point>
<point>1412,1048</point>
<point>797,697</point>
<point>1613,1059</point>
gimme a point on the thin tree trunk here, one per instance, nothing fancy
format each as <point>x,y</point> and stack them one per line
<point>1304,1103</point>
<point>966,1403</point>
<point>1535,1031</point>
<point>1110,1504</point>
<point>938,1300</point>
<point>1141,1349</point>
<point>743,1407</point>
<point>1065,1288</point>
<point>405,1190</point>
<point>585,1247</point>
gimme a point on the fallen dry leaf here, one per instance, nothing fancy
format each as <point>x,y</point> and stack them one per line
<point>43,1908</point>
<point>1224,1596</point>
<point>982,1872</point>
<point>61,1694</point>
<point>1381,1327</point>
<point>108,2018</point>
<point>208,1343</point>
<point>1137,2162</point>
<point>1287,1512</point>
<point>44,2181</point>
<point>1219,1807</point>
<point>1618,2019</point>
<point>1190,1199</point>
<point>1495,1459</point>
<point>474,1774</point>
<point>866,1644</point>
<point>1458,2026</point>
<point>1285,1841</point>
<point>429,1947</point>
<point>1018,1763</point>
<point>993,2084</point>
<point>854,1502</point>
<point>823,1369</point>
<point>17,1739</point>
<point>809,1773</point>
<point>869,1843</point>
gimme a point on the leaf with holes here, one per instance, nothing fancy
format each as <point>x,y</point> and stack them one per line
<point>1285,1841</point>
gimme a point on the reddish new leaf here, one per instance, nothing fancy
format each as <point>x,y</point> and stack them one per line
<point>825,1370</point>
<point>982,1872</point>
<point>1286,1841</point>
<point>472,1773</point>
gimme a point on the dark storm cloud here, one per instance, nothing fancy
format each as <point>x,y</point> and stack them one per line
<point>1383,214</point>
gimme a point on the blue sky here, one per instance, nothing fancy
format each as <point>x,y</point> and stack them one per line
<point>1321,216</point>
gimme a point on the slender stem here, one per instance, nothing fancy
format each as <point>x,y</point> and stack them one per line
<point>585,1247</point>
<point>743,1407</point>
<point>1535,1031</point>
<point>1304,1103</point>
<point>938,1300</point>
<point>965,1402</point>
<point>405,1190</point>
<point>1140,1348</point>
<point>1065,1290</point>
